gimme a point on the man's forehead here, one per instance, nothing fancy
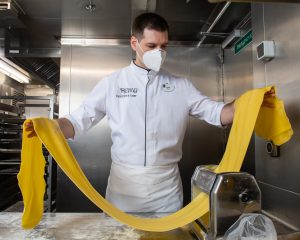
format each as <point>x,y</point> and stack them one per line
<point>154,35</point>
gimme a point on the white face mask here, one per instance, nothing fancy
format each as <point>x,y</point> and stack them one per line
<point>153,59</point>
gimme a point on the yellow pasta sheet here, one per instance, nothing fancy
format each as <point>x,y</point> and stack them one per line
<point>251,111</point>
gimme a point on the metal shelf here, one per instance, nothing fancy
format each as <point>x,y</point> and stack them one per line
<point>8,108</point>
<point>52,97</point>
<point>5,150</point>
<point>10,127</point>
<point>10,163</point>
<point>7,116</point>
<point>11,122</point>
<point>9,171</point>
<point>10,140</point>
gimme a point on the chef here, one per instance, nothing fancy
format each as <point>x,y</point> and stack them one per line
<point>147,110</point>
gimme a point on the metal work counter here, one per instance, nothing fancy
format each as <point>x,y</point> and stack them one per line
<point>80,226</point>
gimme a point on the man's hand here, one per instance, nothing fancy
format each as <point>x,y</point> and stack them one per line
<point>227,112</point>
<point>64,124</point>
<point>30,129</point>
<point>268,99</point>
<point>270,93</point>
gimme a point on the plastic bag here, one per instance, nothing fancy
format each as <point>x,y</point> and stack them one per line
<point>252,227</point>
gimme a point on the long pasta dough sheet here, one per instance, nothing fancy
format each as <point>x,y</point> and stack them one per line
<point>252,111</point>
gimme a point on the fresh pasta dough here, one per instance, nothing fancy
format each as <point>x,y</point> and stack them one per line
<point>252,111</point>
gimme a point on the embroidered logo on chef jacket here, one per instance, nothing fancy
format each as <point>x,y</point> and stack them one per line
<point>126,92</point>
<point>168,87</point>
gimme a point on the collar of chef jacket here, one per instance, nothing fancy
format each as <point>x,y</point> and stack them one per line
<point>142,71</point>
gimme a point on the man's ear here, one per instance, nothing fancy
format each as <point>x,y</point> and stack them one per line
<point>133,42</point>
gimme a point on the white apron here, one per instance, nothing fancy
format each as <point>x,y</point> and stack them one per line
<point>145,189</point>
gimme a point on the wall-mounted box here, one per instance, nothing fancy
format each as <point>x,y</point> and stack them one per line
<point>265,51</point>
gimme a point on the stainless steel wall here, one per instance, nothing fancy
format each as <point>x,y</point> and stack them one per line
<point>83,67</point>
<point>238,72</point>
<point>203,143</point>
<point>279,177</point>
<point>238,78</point>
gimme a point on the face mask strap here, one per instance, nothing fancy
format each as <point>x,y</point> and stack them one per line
<point>141,49</point>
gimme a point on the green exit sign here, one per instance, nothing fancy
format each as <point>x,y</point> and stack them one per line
<point>243,42</point>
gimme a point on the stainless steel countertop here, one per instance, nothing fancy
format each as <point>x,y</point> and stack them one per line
<point>80,226</point>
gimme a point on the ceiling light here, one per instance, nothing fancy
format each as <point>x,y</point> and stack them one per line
<point>93,41</point>
<point>12,72</point>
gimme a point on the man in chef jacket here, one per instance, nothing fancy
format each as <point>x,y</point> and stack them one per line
<point>147,110</point>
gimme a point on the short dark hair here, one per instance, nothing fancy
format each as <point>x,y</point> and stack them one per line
<point>149,21</point>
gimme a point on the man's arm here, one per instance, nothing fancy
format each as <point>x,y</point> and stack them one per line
<point>227,114</point>
<point>64,124</point>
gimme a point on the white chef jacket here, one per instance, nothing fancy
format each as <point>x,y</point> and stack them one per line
<point>148,113</point>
